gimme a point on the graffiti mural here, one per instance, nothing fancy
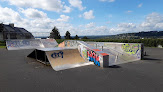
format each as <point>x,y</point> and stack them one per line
<point>12,44</point>
<point>89,55</point>
<point>71,43</point>
<point>93,57</point>
<point>131,49</point>
<point>59,54</point>
<point>83,52</point>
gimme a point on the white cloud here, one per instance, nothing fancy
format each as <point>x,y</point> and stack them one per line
<point>33,13</point>
<point>44,24</point>
<point>140,5</point>
<point>63,18</point>
<point>107,0</point>
<point>7,14</point>
<point>88,15</point>
<point>50,5</point>
<point>77,4</point>
<point>67,9</point>
<point>90,25</point>
<point>153,21</point>
<point>124,28</point>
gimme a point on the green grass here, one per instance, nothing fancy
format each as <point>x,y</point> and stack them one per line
<point>2,46</point>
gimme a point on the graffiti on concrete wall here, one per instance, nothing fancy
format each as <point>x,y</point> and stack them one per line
<point>55,55</point>
<point>71,43</point>
<point>48,43</point>
<point>89,55</point>
<point>12,44</point>
<point>93,57</point>
<point>131,48</point>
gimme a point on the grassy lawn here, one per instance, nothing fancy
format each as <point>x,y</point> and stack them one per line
<point>2,46</point>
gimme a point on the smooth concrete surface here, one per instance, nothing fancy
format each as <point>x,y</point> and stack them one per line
<point>21,74</point>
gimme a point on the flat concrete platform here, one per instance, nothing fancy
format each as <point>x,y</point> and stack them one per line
<point>21,74</point>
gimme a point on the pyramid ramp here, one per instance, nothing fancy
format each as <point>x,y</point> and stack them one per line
<point>59,58</point>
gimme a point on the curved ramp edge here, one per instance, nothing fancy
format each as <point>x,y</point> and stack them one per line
<point>65,59</point>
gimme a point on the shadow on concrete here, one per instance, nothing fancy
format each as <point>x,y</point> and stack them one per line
<point>146,55</point>
<point>114,66</point>
<point>151,59</point>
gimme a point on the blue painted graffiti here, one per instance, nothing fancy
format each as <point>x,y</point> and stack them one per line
<point>94,57</point>
<point>59,54</point>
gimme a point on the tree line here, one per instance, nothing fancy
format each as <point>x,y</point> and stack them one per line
<point>150,42</point>
<point>56,35</point>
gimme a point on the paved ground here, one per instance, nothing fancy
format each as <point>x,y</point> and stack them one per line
<point>21,74</point>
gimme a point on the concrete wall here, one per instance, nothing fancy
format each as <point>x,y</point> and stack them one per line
<point>120,52</point>
<point>69,43</point>
<point>92,54</point>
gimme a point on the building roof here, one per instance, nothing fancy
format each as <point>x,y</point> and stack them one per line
<point>16,32</point>
<point>15,29</point>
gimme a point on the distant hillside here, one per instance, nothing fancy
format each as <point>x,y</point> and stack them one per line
<point>139,35</point>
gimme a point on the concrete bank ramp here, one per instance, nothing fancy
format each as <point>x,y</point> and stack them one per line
<point>120,53</point>
<point>18,44</point>
<point>89,53</point>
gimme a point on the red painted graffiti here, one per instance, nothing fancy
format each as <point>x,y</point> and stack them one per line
<point>93,57</point>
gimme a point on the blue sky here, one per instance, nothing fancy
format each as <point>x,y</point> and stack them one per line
<point>84,17</point>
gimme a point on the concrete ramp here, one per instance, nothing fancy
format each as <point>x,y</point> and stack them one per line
<point>120,53</point>
<point>89,53</point>
<point>65,59</point>
<point>73,53</point>
<point>18,44</point>
<point>59,58</point>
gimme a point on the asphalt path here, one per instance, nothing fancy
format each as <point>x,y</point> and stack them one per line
<point>21,74</point>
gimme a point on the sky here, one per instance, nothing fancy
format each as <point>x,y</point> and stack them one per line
<point>84,17</point>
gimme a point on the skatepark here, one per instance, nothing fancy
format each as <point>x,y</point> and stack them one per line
<point>47,66</point>
<point>22,74</point>
<point>73,53</point>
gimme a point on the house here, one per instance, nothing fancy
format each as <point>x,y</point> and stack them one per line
<point>11,32</point>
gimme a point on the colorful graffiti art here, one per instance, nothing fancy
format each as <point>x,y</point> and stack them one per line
<point>12,44</point>
<point>131,49</point>
<point>59,54</point>
<point>93,57</point>
<point>89,55</point>
<point>84,53</point>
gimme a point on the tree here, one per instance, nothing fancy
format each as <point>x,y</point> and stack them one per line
<point>67,35</point>
<point>85,37</point>
<point>55,33</point>
<point>76,37</point>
